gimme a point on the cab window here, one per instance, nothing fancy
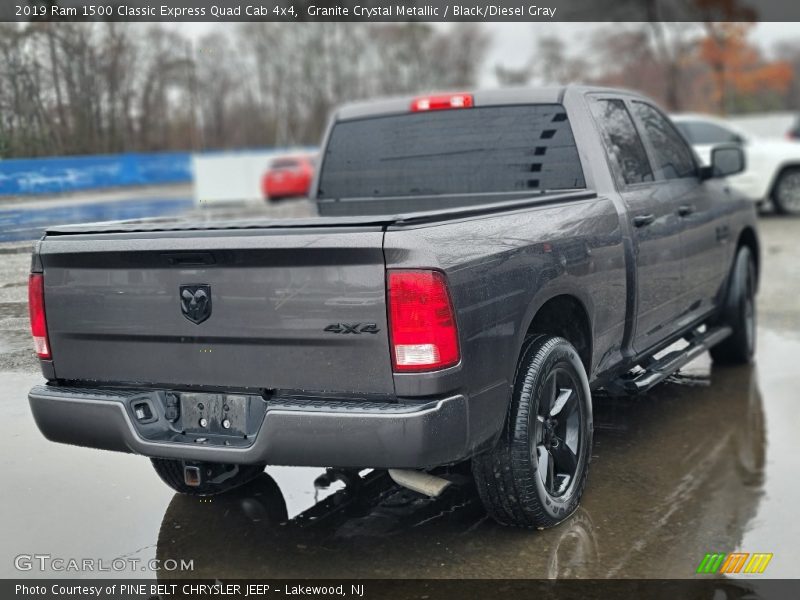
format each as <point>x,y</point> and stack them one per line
<point>672,157</point>
<point>625,148</point>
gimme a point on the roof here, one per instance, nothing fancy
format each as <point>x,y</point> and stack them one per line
<point>486,97</point>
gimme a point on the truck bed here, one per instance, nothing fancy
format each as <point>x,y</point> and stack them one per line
<point>469,206</point>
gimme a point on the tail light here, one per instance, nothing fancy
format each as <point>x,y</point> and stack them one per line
<point>441,102</point>
<point>422,325</point>
<point>38,321</point>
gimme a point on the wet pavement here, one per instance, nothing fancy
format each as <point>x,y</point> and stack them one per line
<point>706,462</point>
<point>27,219</point>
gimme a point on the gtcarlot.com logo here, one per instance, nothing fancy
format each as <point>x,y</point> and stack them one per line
<point>48,562</point>
<point>734,563</point>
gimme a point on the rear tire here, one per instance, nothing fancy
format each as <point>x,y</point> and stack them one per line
<point>786,193</point>
<point>535,475</point>
<point>215,478</point>
<point>739,313</point>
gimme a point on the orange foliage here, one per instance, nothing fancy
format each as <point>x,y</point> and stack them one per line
<point>738,66</point>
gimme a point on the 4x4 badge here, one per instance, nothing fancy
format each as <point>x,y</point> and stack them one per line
<point>352,328</point>
<point>196,302</point>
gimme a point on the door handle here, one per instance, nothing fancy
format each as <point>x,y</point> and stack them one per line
<point>685,210</point>
<point>642,220</point>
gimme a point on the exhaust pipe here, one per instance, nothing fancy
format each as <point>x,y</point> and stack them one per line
<point>420,481</point>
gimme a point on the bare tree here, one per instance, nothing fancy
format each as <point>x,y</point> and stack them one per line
<point>72,88</point>
<point>673,44</point>
<point>550,63</point>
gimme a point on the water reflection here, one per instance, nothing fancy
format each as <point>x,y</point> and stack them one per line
<point>675,474</point>
<point>29,223</point>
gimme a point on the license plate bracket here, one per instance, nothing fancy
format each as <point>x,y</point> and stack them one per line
<point>217,414</point>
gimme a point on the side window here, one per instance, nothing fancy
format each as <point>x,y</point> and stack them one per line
<point>671,154</point>
<point>624,146</point>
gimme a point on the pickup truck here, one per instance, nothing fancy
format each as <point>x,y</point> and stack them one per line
<point>482,264</point>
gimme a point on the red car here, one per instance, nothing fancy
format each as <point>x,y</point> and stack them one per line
<point>288,176</point>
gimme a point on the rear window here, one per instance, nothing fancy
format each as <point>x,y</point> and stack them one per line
<point>493,149</point>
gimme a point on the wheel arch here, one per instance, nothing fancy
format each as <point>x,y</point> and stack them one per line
<point>564,315</point>
<point>748,238</point>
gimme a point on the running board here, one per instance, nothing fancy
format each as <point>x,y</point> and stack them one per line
<point>658,370</point>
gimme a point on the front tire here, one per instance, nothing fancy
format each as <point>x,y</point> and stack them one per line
<point>739,313</point>
<point>535,475</point>
<point>214,478</point>
<point>786,194</point>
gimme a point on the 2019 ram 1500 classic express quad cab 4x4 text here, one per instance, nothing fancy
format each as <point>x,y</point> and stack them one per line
<point>481,263</point>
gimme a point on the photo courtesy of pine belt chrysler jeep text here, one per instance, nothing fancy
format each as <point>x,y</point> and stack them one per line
<point>481,264</point>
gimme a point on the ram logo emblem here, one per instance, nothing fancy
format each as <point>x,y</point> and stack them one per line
<point>196,302</point>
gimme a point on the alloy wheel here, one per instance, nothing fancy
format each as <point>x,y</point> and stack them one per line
<point>557,436</point>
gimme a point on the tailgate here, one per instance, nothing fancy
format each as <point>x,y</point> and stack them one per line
<point>296,309</point>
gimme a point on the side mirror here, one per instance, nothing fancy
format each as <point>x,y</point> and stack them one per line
<point>725,161</point>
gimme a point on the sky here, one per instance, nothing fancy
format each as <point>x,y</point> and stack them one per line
<point>513,43</point>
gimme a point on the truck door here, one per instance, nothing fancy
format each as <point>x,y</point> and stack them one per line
<point>655,225</point>
<point>702,222</point>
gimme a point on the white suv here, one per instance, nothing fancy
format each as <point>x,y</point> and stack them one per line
<point>772,170</point>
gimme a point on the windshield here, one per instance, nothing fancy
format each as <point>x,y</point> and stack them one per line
<point>491,149</point>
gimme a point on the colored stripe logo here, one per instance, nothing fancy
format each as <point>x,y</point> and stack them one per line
<point>734,563</point>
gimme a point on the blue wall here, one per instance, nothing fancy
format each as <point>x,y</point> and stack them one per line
<point>69,173</point>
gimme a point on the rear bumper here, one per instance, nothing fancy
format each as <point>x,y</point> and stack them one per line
<point>295,432</point>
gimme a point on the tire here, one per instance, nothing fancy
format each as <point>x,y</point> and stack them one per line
<point>739,313</point>
<point>786,193</point>
<point>215,478</point>
<point>533,478</point>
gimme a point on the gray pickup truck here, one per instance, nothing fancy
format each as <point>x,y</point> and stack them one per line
<point>481,264</point>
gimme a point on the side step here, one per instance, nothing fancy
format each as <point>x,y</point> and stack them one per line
<point>658,370</point>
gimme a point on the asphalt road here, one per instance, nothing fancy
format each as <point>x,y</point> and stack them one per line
<point>706,462</point>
